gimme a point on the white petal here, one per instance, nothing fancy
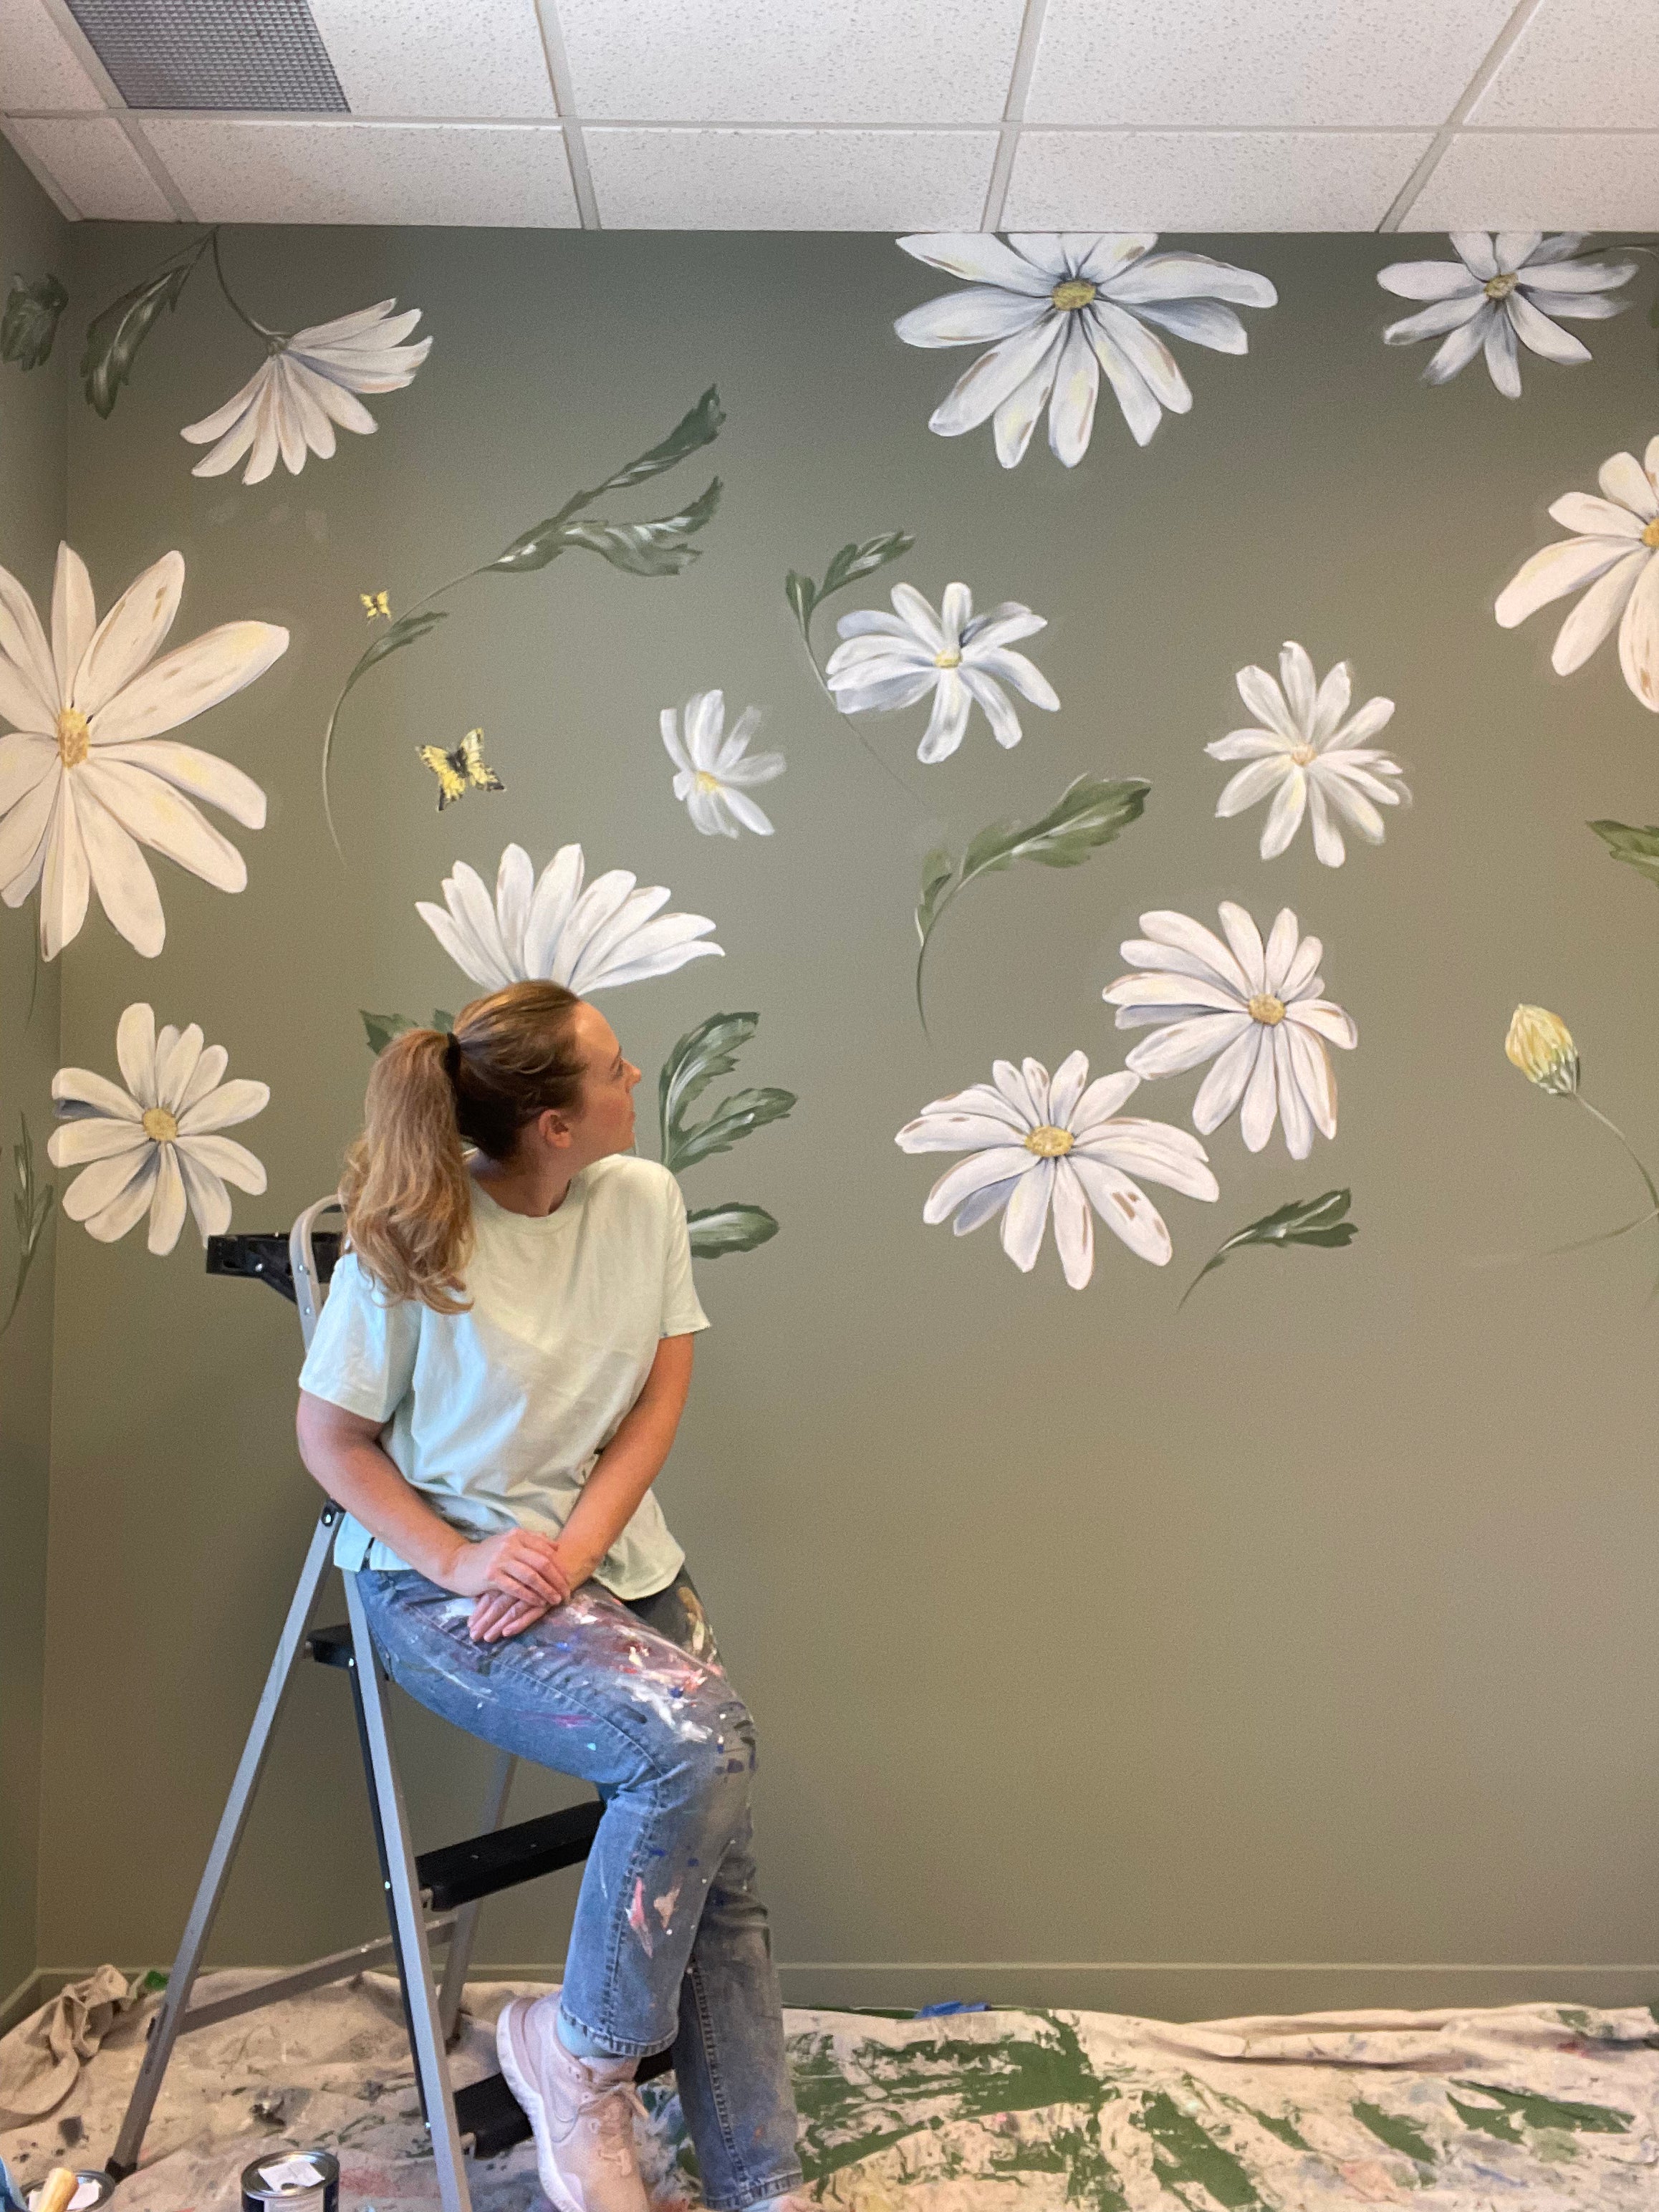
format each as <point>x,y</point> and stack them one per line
<point>1428,279</point>
<point>175,1067</point>
<point>73,617</point>
<point>973,1212</point>
<point>1186,1044</point>
<point>66,878</point>
<point>557,890</point>
<point>1261,1108</point>
<point>669,723</point>
<point>1285,815</point>
<point>1101,1100</point>
<point>707,814</point>
<point>1070,1080</point>
<point>1444,315</point>
<point>1267,703</point>
<point>236,1101</point>
<point>81,1086</point>
<point>1184,275</point>
<point>98,1187</point>
<point>1596,517</point>
<point>25,761</point>
<point>1293,1115</point>
<point>1323,1019</point>
<point>1025,1216</point>
<point>1123,1207</point>
<point>1140,409</point>
<point>189,681</point>
<point>747,812</point>
<point>1280,957</point>
<point>923,624</point>
<point>1626,482</point>
<point>1165,927</point>
<point>209,1201</point>
<point>161,817</point>
<point>1014,668</point>
<point>135,1050</point>
<point>1223,1086</point>
<point>73,1144</point>
<point>32,682</point>
<point>1594,616</point>
<point>994,377</point>
<point>1252,785</point>
<point>1503,362</point>
<point>1200,321</point>
<point>957,1131</point>
<point>1074,1227</point>
<point>1245,939</point>
<point>129,637</point>
<point>1475,247</point>
<point>1450,359</point>
<point>1315,1078</point>
<point>1639,638</point>
<point>1015,419</point>
<point>999,711</point>
<point>979,257</point>
<point>1249,745</point>
<point>1350,803</point>
<point>998,1163</point>
<point>971,317</point>
<point>203,775</point>
<point>1013,1084</point>
<point>223,1157</point>
<point>1155,989</point>
<point>166,1206</point>
<point>953,703</point>
<point>1151,357</point>
<point>235,410</point>
<point>1566,566</point>
<point>1071,410</point>
<point>1513,249</point>
<point>1327,837</point>
<point>1541,335</point>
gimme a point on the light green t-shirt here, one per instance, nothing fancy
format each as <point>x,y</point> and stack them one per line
<point>496,1415</point>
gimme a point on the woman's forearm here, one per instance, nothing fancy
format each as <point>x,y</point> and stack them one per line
<point>629,1464</point>
<point>357,1474</point>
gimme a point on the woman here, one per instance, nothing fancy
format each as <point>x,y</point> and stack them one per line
<point>495,1383</point>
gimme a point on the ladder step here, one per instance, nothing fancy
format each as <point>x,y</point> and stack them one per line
<point>501,1860</point>
<point>331,1647</point>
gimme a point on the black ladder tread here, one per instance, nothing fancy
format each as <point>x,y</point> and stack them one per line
<point>481,1865</point>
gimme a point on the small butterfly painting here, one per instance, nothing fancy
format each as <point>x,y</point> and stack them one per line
<point>375,605</point>
<point>461,771</point>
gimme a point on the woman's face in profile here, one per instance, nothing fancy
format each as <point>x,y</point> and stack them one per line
<point>604,1122</point>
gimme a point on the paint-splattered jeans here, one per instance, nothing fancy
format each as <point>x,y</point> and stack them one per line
<point>670,1945</point>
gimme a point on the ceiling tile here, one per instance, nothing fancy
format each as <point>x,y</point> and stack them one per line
<point>775,61</point>
<point>1583,65</point>
<point>38,69</point>
<point>790,179</point>
<point>501,173</point>
<point>1208,179</point>
<point>1550,180</point>
<point>432,58</point>
<point>96,168</point>
<point>1262,62</point>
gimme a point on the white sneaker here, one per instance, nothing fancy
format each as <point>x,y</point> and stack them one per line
<point>581,2111</point>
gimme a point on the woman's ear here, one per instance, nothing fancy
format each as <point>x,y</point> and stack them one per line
<point>553,1129</point>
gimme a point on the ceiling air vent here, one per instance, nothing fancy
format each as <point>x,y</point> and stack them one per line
<point>260,54</point>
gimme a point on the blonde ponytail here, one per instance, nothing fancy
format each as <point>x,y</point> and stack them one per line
<point>406,1190</point>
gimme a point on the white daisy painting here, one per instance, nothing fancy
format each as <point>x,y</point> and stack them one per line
<point>549,926</point>
<point>1037,1144</point>
<point>887,662</point>
<point>714,773</point>
<point>1059,310</point>
<point>1503,291</point>
<point>88,773</point>
<point>1308,756</point>
<point>154,1147</point>
<point>1612,550</point>
<point>1254,1009</point>
<point>305,386</point>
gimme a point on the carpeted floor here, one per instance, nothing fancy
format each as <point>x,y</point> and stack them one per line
<point>1552,2108</point>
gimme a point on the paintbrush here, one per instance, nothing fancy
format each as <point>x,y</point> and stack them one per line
<point>59,2187</point>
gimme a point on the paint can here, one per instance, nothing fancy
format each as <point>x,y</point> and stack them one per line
<point>295,2180</point>
<point>92,2187</point>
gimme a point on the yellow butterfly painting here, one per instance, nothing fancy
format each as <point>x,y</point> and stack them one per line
<point>461,771</point>
<point>376,604</point>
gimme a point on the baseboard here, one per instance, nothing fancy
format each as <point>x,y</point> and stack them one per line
<point>1182,1990</point>
<point>1156,1990</point>
<point>27,1997</point>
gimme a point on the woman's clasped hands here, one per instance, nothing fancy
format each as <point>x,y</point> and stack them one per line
<point>516,1577</point>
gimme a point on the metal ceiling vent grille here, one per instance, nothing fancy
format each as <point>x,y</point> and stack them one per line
<point>249,54</point>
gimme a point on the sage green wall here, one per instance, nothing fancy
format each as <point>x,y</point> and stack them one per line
<point>31,461</point>
<point>1297,1646</point>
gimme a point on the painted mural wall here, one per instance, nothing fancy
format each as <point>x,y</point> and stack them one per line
<point>1163,728</point>
<point>32,408</point>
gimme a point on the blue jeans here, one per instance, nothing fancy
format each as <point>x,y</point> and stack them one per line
<point>670,1947</point>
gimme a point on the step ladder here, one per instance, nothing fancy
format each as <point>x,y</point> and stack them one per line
<point>432,1896</point>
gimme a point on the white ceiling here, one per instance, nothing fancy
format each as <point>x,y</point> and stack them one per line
<point>890,115</point>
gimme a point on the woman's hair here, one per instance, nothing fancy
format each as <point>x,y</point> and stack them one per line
<point>406,1191</point>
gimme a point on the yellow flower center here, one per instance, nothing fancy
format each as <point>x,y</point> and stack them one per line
<point>1303,754</point>
<point>1048,1142</point>
<point>1264,1007</point>
<point>1076,292</point>
<point>949,659</point>
<point>705,781</point>
<point>1650,536</point>
<point>1499,287</point>
<point>160,1127</point>
<point>74,737</point>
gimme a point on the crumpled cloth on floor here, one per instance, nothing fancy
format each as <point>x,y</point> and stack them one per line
<point>40,2060</point>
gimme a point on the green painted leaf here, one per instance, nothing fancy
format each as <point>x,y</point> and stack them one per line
<point>703,1052</point>
<point>1089,813</point>
<point>802,594</point>
<point>1539,2112</point>
<point>855,561</point>
<point>717,1229</point>
<point>380,1028</point>
<point>114,337</point>
<point>700,426</point>
<point>1191,2157</point>
<point>1639,847</point>
<point>29,324</point>
<point>1314,1221</point>
<point>734,1118</point>
<point>402,632</point>
<point>30,1204</point>
<point>657,548</point>
<point>938,872</point>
